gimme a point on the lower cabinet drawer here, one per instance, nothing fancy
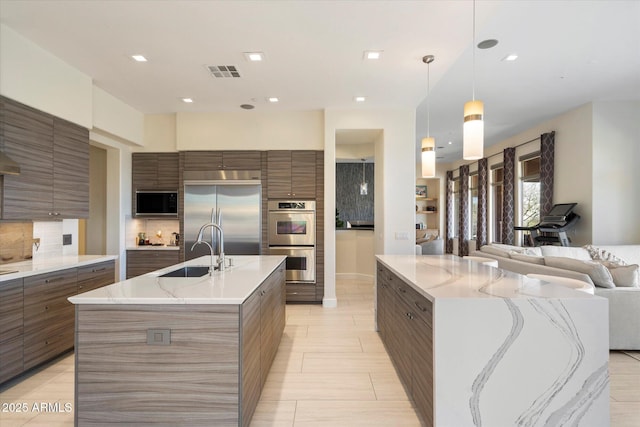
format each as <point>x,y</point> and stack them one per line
<point>40,347</point>
<point>10,358</point>
<point>299,292</point>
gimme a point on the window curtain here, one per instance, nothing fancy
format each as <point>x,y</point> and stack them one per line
<point>509,196</point>
<point>449,214</point>
<point>483,195</point>
<point>547,148</point>
<point>463,230</point>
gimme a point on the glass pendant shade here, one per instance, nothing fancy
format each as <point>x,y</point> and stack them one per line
<point>428,157</point>
<point>364,187</point>
<point>473,131</point>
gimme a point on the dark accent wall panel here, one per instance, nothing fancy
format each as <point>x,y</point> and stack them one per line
<point>350,203</point>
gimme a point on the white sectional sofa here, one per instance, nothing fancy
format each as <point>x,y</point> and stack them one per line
<point>600,266</point>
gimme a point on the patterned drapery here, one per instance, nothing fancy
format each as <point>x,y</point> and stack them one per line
<point>547,147</point>
<point>463,230</point>
<point>449,214</point>
<point>509,196</point>
<point>483,195</point>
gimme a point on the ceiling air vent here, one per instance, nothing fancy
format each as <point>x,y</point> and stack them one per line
<point>221,71</point>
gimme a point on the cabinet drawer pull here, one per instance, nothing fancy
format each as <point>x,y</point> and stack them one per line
<point>46,342</point>
<point>403,290</point>
<point>423,309</point>
<point>95,270</point>
<point>46,307</point>
<point>55,279</point>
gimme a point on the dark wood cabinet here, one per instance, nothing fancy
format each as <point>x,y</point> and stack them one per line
<point>95,276</point>
<point>36,319</point>
<point>291,174</point>
<point>48,315</point>
<point>11,329</point>
<point>154,171</point>
<point>404,319</point>
<point>145,261</point>
<point>221,160</point>
<point>53,155</point>
<point>70,170</point>
<point>263,321</point>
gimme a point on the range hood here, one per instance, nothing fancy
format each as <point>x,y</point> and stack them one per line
<point>8,166</point>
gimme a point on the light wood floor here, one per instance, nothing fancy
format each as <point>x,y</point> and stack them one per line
<point>331,370</point>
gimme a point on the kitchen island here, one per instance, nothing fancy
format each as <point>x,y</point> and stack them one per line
<point>179,350</point>
<point>476,345</point>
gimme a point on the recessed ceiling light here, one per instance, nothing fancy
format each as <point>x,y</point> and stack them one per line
<point>254,56</point>
<point>273,99</point>
<point>187,100</point>
<point>359,98</point>
<point>372,54</point>
<point>450,142</point>
<point>510,57</point>
<point>139,58</point>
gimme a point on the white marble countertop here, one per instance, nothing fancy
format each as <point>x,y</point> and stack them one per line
<point>231,286</point>
<point>53,263</point>
<point>449,276</point>
<point>153,248</point>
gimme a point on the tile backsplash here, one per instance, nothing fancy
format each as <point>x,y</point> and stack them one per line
<point>151,227</point>
<point>38,240</point>
<point>15,241</point>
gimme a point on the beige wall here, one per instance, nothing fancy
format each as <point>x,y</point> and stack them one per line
<point>354,253</point>
<point>159,133</point>
<point>250,130</point>
<point>33,76</point>
<point>96,231</point>
<point>115,117</point>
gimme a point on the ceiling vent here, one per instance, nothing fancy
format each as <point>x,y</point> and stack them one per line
<point>222,71</point>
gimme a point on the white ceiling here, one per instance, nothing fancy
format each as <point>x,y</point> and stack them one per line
<point>570,53</point>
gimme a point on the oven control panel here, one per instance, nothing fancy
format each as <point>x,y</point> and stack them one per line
<point>292,205</point>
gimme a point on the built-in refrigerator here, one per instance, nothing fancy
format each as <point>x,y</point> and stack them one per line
<point>239,203</point>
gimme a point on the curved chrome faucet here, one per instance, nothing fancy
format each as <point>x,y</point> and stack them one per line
<point>221,251</point>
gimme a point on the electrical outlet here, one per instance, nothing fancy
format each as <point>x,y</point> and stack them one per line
<point>66,239</point>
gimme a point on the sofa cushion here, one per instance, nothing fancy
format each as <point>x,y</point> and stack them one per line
<point>603,254</point>
<point>566,251</point>
<point>527,258</point>
<point>494,250</point>
<point>597,271</point>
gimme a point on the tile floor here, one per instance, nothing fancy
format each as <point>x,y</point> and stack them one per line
<point>331,370</point>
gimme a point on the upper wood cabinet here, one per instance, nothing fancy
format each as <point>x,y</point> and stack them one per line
<point>221,160</point>
<point>291,174</point>
<point>53,155</point>
<point>70,169</point>
<point>154,171</point>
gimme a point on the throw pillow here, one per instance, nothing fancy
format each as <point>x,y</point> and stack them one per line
<point>527,258</point>
<point>537,251</point>
<point>599,274</point>
<point>603,255</point>
<point>627,276</point>
<point>565,251</point>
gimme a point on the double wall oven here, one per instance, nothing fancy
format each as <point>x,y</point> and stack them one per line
<point>292,232</point>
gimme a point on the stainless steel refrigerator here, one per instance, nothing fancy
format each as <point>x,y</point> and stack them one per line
<point>238,201</point>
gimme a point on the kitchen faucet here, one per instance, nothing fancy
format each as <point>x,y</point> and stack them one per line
<point>221,243</point>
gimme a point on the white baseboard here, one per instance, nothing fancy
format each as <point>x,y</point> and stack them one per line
<point>330,302</point>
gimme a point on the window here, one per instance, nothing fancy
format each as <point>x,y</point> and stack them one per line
<point>530,190</point>
<point>497,173</point>
<point>473,203</point>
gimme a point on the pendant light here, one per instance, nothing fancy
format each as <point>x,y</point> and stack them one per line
<point>473,128</point>
<point>363,186</point>
<point>428,143</point>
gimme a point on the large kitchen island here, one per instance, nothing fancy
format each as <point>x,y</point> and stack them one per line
<point>179,351</point>
<point>480,346</point>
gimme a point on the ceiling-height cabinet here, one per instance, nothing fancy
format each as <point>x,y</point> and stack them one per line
<point>154,171</point>
<point>291,174</point>
<point>53,155</point>
<point>221,160</point>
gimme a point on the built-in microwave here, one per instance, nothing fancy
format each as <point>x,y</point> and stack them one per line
<point>156,203</point>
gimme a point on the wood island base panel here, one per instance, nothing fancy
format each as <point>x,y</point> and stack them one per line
<point>170,351</point>
<point>480,346</point>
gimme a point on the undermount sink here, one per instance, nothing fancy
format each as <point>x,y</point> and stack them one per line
<point>189,271</point>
